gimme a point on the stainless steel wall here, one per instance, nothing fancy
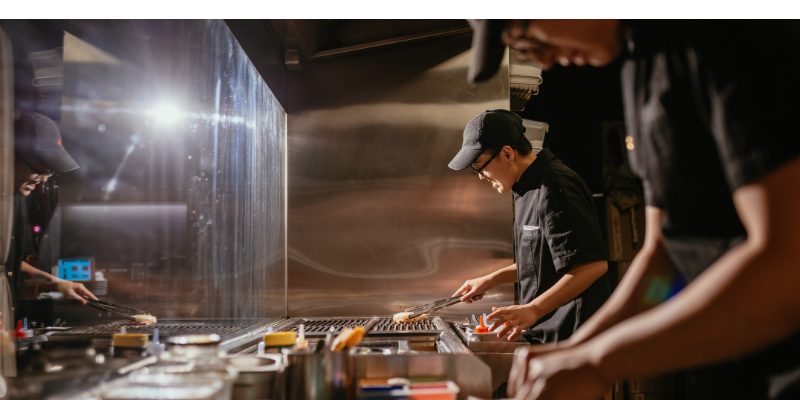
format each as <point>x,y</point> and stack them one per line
<point>8,366</point>
<point>377,221</point>
<point>180,197</point>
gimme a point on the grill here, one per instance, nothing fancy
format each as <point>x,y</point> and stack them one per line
<point>428,348</point>
<point>225,328</point>
<point>386,327</point>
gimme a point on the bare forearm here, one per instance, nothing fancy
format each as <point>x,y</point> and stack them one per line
<point>572,284</point>
<point>504,275</point>
<point>650,268</point>
<point>744,302</point>
<point>36,272</point>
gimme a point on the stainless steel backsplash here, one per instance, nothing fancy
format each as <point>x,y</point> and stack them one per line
<point>377,221</point>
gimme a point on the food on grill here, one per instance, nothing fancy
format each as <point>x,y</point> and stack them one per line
<point>403,317</point>
<point>144,319</point>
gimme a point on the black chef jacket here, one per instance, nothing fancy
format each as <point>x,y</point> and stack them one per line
<point>712,106</point>
<point>21,245</point>
<point>556,228</point>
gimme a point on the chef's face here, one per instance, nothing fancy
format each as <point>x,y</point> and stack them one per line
<point>493,167</point>
<point>565,42</point>
<point>27,179</point>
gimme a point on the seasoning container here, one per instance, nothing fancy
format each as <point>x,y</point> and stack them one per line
<point>155,347</point>
<point>128,345</point>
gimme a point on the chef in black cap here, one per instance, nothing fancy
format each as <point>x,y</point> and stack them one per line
<point>560,255</point>
<point>39,155</point>
<point>711,112</point>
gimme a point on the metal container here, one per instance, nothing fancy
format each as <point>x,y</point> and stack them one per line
<point>305,375</point>
<point>165,386</point>
<point>202,358</point>
<point>260,376</point>
<point>427,349</point>
<point>497,353</point>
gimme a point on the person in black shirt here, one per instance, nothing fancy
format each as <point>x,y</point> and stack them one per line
<point>39,156</point>
<point>712,127</point>
<point>560,253</point>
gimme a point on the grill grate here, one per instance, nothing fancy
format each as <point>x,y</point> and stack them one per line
<point>319,327</point>
<point>226,329</point>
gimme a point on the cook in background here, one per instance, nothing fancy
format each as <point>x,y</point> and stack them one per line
<point>39,155</point>
<point>560,253</point>
<point>711,110</point>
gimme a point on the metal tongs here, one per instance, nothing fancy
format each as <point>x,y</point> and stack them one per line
<point>122,311</point>
<point>431,307</point>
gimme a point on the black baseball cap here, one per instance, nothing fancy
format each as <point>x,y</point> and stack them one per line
<point>491,129</point>
<point>487,48</point>
<point>37,142</point>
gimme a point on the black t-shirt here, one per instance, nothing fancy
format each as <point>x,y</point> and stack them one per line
<point>711,106</point>
<point>555,229</point>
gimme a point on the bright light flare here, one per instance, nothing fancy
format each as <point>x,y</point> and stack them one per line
<point>166,114</point>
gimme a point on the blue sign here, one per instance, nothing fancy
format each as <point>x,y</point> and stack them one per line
<point>75,269</point>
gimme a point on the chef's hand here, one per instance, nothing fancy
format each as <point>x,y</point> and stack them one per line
<point>564,374</point>
<point>522,358</point>
<point>509,322</point>
<point>473,289</point>
<point>74,290</point>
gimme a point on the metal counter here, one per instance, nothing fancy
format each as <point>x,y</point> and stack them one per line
<point>430,349</point>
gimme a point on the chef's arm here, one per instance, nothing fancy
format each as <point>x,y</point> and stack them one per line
<point>570,286</point>
<point>504,275</point>
<point>34,272</point>
<point>69,289</point>
<point>643,286</point>
<point>473,289</point>
<point>512,320</point>
<point>743,302</point>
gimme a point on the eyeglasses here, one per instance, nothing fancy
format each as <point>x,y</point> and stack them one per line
<point>479,170</point>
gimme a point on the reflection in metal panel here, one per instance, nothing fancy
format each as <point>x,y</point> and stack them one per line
<point>8,366</point>
<point>173,114</point>
<point>377,221</point>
